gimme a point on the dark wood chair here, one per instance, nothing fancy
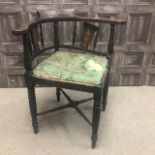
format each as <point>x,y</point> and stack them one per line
<point>70,66</point>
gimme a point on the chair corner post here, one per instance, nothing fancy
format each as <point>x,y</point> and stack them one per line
<point>96,116</point>
<point>56,38</point>
<point>27,53</point>
<point>111,40</point>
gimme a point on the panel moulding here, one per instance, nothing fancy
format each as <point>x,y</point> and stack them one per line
<point>137,28</point>
<point>75,2</point>
<point>110,2</point>
<point>142,2</point>
<point>37,2</point>
<point>9,1</point>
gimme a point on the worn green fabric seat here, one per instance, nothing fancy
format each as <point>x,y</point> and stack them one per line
<point>84,68</point>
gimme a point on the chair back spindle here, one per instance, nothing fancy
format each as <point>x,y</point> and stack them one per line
<point>96,37</point>
<point>35,38</point>
<point>111,40</point>
<point>74,33</point>
<point>41,30</point>
<point>56,38</point>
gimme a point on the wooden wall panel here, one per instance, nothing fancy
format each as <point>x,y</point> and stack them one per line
<point>109,2</point>
<point>131,76</point>
<point>138,26</point>
<point>15,80</point>
<point>1,70</point>
<point>36,2</point>
<point>152,60</point>
<point>8,21</point>
<point>134,58</point>
<point>150,76</point>
<point>9,1</point>
<point>141,2</point>
<point>75,2</point>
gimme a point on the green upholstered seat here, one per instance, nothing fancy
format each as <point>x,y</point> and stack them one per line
<point>84,68</point>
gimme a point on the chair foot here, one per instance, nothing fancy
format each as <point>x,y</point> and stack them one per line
<point>35,127</point>
<point>103,109</point>
<point>32,105</point>
<point>94,139</point>
<point>58,94</point>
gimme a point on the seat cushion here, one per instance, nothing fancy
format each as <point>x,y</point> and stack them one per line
<point>85,68</point>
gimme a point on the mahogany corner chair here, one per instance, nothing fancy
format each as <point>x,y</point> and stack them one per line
<point>68,66</point>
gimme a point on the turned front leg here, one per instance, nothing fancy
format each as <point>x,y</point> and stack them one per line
<point>33,107</point>
<point>96,116</point>
<point>105,93</point>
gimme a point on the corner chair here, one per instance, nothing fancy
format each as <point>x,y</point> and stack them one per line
<point>70,66</point>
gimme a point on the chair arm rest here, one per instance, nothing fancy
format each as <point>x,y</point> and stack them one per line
<point>102,20</point>
<point>21,30</point>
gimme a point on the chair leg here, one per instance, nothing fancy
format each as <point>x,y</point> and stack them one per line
<point>96,117</point>
<point>58,94</point>
<point>33,107</point>
<point>105,94</point>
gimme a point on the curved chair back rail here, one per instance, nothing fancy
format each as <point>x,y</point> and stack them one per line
<point>26,27</point>
<point>33,31</point>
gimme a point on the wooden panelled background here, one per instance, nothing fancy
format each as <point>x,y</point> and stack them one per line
<point>134,59</point>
